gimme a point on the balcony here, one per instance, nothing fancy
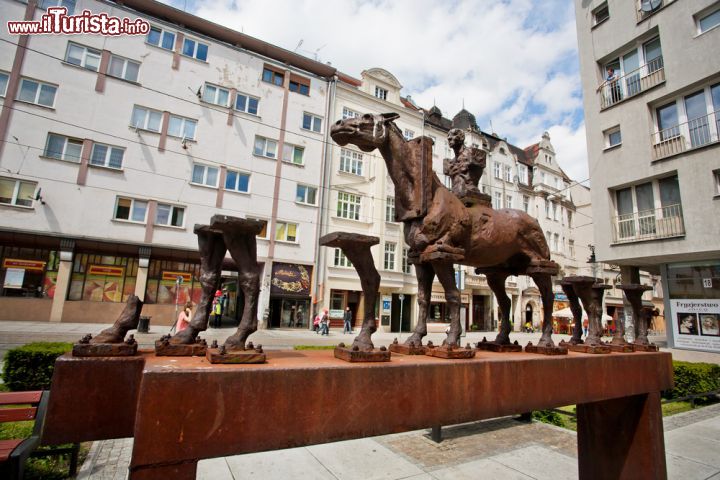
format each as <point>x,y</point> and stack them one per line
<point>632,83</point>
<point>665,222</point>
<point>648,8</point>
<point>696,133</point>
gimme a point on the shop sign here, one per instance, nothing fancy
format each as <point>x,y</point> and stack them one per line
<point>560,297</point>
<point>14,278</point>
<point>386,304</point>
<point>336,313</point>
<point>290,278</point>
<point>185,276</point>
<point>106,270</point>
<point>33,265</point>
<point>439,297</point>
<point>696,324</point>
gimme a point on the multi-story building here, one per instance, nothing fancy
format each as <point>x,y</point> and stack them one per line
<point>651,83</point>
<point>114,147</point>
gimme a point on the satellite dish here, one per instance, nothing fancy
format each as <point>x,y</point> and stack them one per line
<point>650,5</point>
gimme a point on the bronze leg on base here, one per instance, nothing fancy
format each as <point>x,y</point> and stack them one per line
<point>243,250</point>
<point>446,276</point>
<point>496,282</point>
<point>425,275</point>
<point>576,310</point>
<point>544,284</point>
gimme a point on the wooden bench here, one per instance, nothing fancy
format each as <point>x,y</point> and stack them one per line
<point>24,406</point>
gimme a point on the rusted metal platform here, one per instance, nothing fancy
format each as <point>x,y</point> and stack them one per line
<point>233,409</point>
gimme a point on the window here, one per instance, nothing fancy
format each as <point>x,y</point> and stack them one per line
<point>340,259</point>
<point>69,4</point>
<point>246,103</point>
<point>237,181</point>
<point>299,85</point>
<point>286,232</point>
<point>631,72</point>
<point>216,95</point>
<point>306,194</point>
<point>570,217</point>
<point>571,248</point>
<point>123,68</point>
<point>351,161</point>
<point>389,263</point>
<point>600,14</point>
<point>195,49</point>
<point>4,77</point>
<point>648,210</point>
<point>547,208</point>
<point>508,201</point>
<point>526,203</point>
<point>555,211</point>
<point>408,134</point>
<point>273,76</point>
<point>556,242</point>
<point>107,156</point>
<point>311,122</point>
<point>130,209</point>
<point>264,232</point>
<point>293,154</point>
<point>17,192</point>
<point>348,206</point>
<point>716,175</point>
<point>63,148</point>
<point>548,237</point>
<point>161,38</point>
<point>667,118</point>
<point>708,21</point>
<point>613,138</point>
<point>389,209</point>
<point>146,119</point>
<point>170,215</point>
<point>204,175</point>
<point>508,173</point>
<point>347,113</point>
<point>39,93</point>
<point>405,262</point>
<point>381,93</point>
<point>523,174</point>
<point>497,201</point>
<point>265,147</point>
<point>496,170</point>
<point>182,127</point>
<point>83,56</point>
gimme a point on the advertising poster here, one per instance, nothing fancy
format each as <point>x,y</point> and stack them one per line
<point>49,284</point>
<point>14,278</point>
<point>696,324</point>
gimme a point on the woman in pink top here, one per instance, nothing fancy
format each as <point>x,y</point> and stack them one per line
<point>184,317</point>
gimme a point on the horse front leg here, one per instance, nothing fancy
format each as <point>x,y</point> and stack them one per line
<point>243,250</point>
<point>544,284</point>
<point>446,274</point>
<point>425,275</point>
<point>496,282</point>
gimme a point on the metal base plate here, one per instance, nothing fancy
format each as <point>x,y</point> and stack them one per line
<point>213,355</point>
<point>584,348</point>
<point>104,350</point>
<point>493,346</point>
<point>530,348</point>
<point>165,349</point>
<point>450,352</point>
<point>403,349</point>
<point>349,355</point>
<point>621,347</point>
<point>650,347</point>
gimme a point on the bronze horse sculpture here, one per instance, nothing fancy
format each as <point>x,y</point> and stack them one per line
<point>440,230</point>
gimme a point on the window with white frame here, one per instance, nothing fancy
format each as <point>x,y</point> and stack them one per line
<point>547,208</point>
<point>496,170</point>
<point>408,134</point>
<point>216,95</point>
<point>613,137</point>
<point>695,117</point>
<point>497,200</point>
<point>286,232</point>
<point>204,175</point>
<point>508,173</point>
<point>130,209</point>
<point>39,93</point>
<point>523,174</point>
<point>264,232</point>
<point>389,209</point>
<point>716,176</point>
<point>146,119</point>
<point>405,261</point>
<point>169,215</point>
<point>65,148</point>
<point>311,122</point>
<point>45,4</point>
<point>381,93</point>
<point>107,156</point>
<point>306,194</point>
<point>293,154</point>
<point>182,127</point>
<point>562,215</point>
<point>340,259</point>
<point>347,113</point>
<point>526,203</point>
<point>555,211</point>
<point>265,147</point>
<point>600,14</point>
<point>389,260</point>
<point>17,192</point>
<point>570,217</point>
<point>351,161</point>
<point>193,48</point>
<point>123,68</point>
<point>629,68</point>
<point>237,181</point>
<point>508,201</point>
<point>707,20</point>
<point>246,103</point>
<point>571,248</point>
<point>4,77</point>
<point>556,242</point>
<point>83,56</point>
<point>161,38</point>
<point>648,209</point>
<point>348,206</point>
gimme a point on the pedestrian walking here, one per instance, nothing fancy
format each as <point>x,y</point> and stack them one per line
<point>316,323</point>
<point>216,310</point>
<point>184,318</point>
<point>347,320</point>
<point>325,323</point>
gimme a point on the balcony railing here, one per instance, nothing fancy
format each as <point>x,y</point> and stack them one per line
<point>632,83</point>
<point>665,222</point>
<point>696,133</point>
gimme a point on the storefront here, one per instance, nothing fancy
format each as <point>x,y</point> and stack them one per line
<point>439,313</point>
<point>290,295</point>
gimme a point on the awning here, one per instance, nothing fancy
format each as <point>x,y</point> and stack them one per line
<point>567,313</point>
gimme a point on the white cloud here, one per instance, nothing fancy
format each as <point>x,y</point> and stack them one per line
<point>512,62</point>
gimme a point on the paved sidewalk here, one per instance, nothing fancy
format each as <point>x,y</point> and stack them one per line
<point>500,448</point>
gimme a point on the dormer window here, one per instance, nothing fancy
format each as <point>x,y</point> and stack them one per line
<point>381,93</point>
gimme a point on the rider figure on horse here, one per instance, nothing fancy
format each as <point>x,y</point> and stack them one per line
<point>465,169</point>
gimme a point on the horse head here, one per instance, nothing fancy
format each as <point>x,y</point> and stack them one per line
<point>368,131</point>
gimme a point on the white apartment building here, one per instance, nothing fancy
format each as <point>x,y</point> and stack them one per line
<point>651,82</point>
<point>114,147</point>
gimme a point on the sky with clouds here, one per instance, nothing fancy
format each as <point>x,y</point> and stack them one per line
<point>512,62</point>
